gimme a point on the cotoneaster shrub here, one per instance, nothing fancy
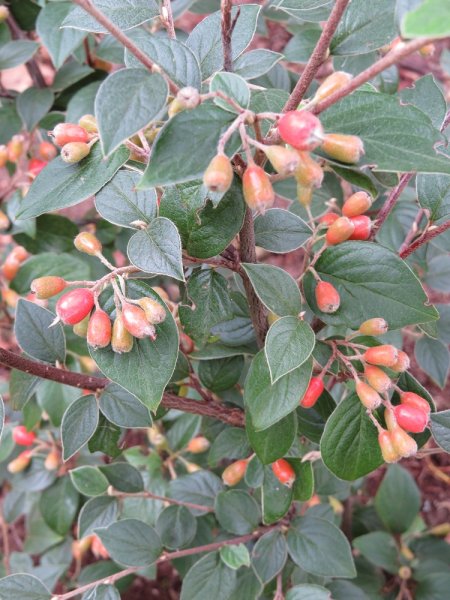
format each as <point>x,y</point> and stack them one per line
<point>211,351</point>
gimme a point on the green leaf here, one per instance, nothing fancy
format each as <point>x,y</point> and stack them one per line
<point>280,231</point>
<point>131,542</point>
<point>123,477</point>
<point>255,63</point>
<point>55,399</point>
<point>106,438</point>
<point>32,105</point>
<point>235,556</point>
<point>53,233</point>
<point>211,303</point>
<point>275,288</point>
<point>426,95</point>
<point>62,265</point>
<point>312,421</point>
<point>302,43</point>
<point>82,103</point>
<point>10,122</point>
<point>205,39</point>
<point>397,500</point>
<point>396,137</point>
<point>230,443</point>
<point>176,527</point>
<point>303,487</point>
<point>175,58</point>
<point>89,481</point>
<point>433,357</point>
<point>272,443</point>
<point>59,505</point>
<point>199,488</point>
<point>21,387</point>
<point>123,409</point>
<point>208,578</point>
<point>61,184</point>
<point>221,374</point>
<point>372,282</point>
<point>35,335</point>
<point>237,512</point>
<point>102,592</point>
<point>349,444</point>
<point>78,425</point>
<point>173,159</point>
<point>433,193</point>
<point>306,10</point>
<point>23,586</point>
<point>380,549</point>
<point>59,42</point>
<point>289,343</point>
<point>126,102</point>
<point>308,591</point>
<point>430,19</point>
<point>269,555</point>
<point>137,12</point>
<point>120,203</point>
<point>234,87</point>
<point>320,548</point>
<point>267,403</point>
<point>440,428</point>
<point>276,498</point>
<point>97,512</point>
<point>157,249</point>
<point>146,370</point>
<point>365,26</point>
<point>15,53</point>
<point>205,226</point>
<point>433,587</point>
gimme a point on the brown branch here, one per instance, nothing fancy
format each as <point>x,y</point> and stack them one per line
<point>390,202</point>
<point>231,416</point>
<point>431,233</point>
<point>31,65</point>
<point>318,56</point>
<point>168,19</point>
<point>227,30</point>
<point>5,540</point>
<point>121,37</point>
<point>390,59</point>
<point>247,254</point>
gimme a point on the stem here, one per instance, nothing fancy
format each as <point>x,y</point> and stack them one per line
<point>5,540</point>
<point>412,230</point>
<point>431,233</point>
<point>116,494</point>
<point>227,29</point>
<point>121,37</point>
<point>390,202</point>
<point>317,57</point>
<point>232,416</point>
<point>167,18</point>
<point>32,66</point>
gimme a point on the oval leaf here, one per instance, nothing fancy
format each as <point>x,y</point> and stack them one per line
<point>289,343</point>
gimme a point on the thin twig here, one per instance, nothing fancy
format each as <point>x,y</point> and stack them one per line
<point>152,496</point>
<point>5,540</point>
<point>121,37</point>
<point>431,233</point>
<point>390,202</point>
<point>167,18</point>
<point>227,30</point>
<point>317,57</point>
<point>412,230</point>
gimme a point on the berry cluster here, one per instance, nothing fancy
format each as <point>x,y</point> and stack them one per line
<point>22,437</point>
<point>19,148</point>
<point>75,141</point>
<point>80,308</point>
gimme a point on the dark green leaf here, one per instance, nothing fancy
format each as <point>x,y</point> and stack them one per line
<point>276,498</point>
<point>123,409</point>
<point>308,591</point>
<point>280,231</point>
<point>79,424</point>
<point>311,421</point>
<point>237,512</point>
<point>126,102</point>
<point>440,428</point>
<point>274,442</point>
<point>23,586</point>
<point>426,95</point>
<point>433,587</point>
<point>433,192</point>
<point>59,505</point>
<point>136,13</point>
<point>431,18</point>
<point>221,374</point>
<point>235,556</point>
<point>59,42</point>
<point>36,336</point>
<point>433,357</point>
<point>380,549</point>
<point>255,63</point>
<point>208,578</point>
<point>289,343</point>
<point>269,555</point>
<point>123,477</point>
<point>230,443</point>
<point>176,527</point>
<point>398,499</point>
<point>97,512</point>
<point>53,234</point>
<point>131,542</point>
<point>275,288</point>
<point>32,105</point>
<point>200,488</point>
<point>234,87</point>
<point>302,43</point>
<point>21,387</point>
<point>303,487</point>
<point>89,481</point>
<point>15,53</point>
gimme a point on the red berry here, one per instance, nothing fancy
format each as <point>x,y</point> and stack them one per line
<point>301,129</point>
<point>357,204</point>
<point>99,329</point>
<point>377,378</point>
<point>35,166</point>
<point>22,436</point>
<point>47,151</point>
<point>328,219</point>
<point>363,227</point>
<point>411,418</point>
<point>65,133</point>
<point>402,363</point>
<point>339,231</point>
<point>327,297</point>
<point>284,472</point>
<point>312,394</point>
<point>219,174</point>
<point>388,451</point>
<point>412,399</point>
<point>345,148</point>
<point>258,191</point>
<point>384,356</point>
<point>136,323</point>
<point>47,287</point>
<point>368,396</point>
<point>186,343</point>
<point>74,306</point>
<point>376,326</point>
<point>235,472</point>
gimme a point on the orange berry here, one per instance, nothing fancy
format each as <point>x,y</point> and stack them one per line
<point>258,191</point>
<point>47,151</point>
<point>376,326</point>
<point>20,463</point>
<point>345,148</point>
<point>384,356</point>
<point>368,396</point>
<point>284,472</point>
<point>80,547</point>
<point>53,460</point>
<point>235,472</point>
<point>3,155</point>
<point>19,253</point>
<point>357,204</point>
<point>403,443</point>
<point>198,445</point>
<point>4,221</point>
<point>99,329</point>
<point>10,268</point>
<point>304,194</point>
<point>65,133</point>
<point>312,394</point>
<point>98,549</point>
<point>412,399</point>
<point>154,312</point>
<point>15,148</point>
<point>47,287</point>
<point>377,378</point>
<point>219,174</point>
<point>327,297</point>
<point>328,219</point>
<point>363,228</point>
<point>339,231</point>
<point>88,243</point>
<point>308,173</point>
<point>388,451</point>
<point>4,13</point>
<point>331,84</point>
<point>136,323</point>
<point>402,363</point>
<point>300,129</point>
<point>284,160</point>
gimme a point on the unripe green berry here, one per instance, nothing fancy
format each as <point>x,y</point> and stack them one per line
<point>88,243</point>
<point>73,152</point>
